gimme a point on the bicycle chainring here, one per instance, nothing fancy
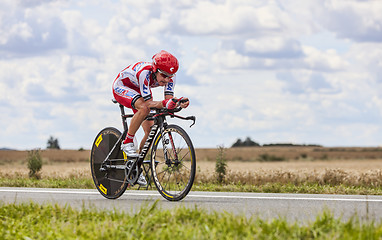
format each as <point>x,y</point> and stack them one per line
<point>132,171</point>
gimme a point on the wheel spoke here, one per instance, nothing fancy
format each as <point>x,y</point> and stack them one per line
<point>175,171</point>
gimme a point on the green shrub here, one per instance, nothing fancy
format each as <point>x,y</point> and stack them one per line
<point>221,164</point>
<point>34,163</point>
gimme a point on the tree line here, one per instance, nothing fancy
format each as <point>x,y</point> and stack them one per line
<point>248,142</point>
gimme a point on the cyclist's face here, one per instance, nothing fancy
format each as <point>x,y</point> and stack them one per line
<point>162,79</point>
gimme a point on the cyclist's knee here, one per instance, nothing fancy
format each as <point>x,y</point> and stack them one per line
<point>143,108</point>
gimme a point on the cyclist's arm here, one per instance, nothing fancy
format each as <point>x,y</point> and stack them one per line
<point>169,88</point>
<point>157,104</point>
<point>154,104</point>
<point>144,78</point>
<point>168,96</point>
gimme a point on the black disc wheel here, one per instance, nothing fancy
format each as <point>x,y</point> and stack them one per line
<point>109,176</point>
<point>173,163</point>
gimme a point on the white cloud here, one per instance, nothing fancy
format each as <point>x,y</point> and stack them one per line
<point>230,59</point>
<point>232,17</point>
<point>357,20</point>
<point>274,47</point>
<point>272,70</point>
<point>327,60</point>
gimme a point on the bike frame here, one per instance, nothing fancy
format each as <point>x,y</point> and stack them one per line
<point>160,124</point>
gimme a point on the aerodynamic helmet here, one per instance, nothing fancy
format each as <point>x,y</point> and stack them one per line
<point>165,63</point>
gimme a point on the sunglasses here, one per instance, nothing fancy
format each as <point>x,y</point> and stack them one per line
<point>164,74</point>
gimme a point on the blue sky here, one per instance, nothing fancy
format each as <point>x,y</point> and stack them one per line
<point>304,72</point>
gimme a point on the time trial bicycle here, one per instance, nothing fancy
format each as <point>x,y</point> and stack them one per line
<point>172,160</point>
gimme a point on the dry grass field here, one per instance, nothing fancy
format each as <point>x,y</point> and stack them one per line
<point>292,160</point>
<point>293,153</point>
<point>56,163</point>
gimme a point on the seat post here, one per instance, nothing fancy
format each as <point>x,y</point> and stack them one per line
<point>124,122</point>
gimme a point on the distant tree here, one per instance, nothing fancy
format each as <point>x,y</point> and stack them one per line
<point>246,143</point>
<point>53,143</point>
<point>249,143</point>
<point>238,143</point>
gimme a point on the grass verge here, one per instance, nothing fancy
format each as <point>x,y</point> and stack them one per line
<point>33,221</point>
<point>330,181</point>
<point>66,182</point>
<point>267,187</point>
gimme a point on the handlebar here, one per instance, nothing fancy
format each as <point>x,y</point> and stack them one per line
<point>167,112</point>
<point>163,112</point>
<point>181,101</point>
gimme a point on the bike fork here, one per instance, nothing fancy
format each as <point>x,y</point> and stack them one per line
<point>165,142</point>
<point>173,146</point>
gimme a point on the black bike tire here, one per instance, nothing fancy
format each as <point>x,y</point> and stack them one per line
<point>102,145</point>
<point>154,163</point>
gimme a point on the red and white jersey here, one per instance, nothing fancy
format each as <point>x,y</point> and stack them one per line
<point>138,77</point>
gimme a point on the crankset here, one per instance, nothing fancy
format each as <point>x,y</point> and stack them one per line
<point>132,171</point>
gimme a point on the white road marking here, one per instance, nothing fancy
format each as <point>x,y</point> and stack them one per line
<point>46,191</point>
<point>292,198</point>
<point>128,193</point>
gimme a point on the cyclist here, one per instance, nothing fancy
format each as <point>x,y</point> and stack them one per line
<point>132,89</point>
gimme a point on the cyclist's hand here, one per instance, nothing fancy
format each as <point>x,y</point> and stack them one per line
<point>184,102</point>
<point>170,103</point>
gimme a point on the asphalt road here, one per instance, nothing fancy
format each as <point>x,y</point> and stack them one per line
<point>293,207</point>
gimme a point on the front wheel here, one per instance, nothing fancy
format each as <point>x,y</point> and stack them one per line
<point>173,163</point>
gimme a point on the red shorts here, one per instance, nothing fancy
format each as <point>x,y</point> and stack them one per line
<point>125,95</point>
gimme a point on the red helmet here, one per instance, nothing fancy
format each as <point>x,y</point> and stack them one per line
<point>166,63</point>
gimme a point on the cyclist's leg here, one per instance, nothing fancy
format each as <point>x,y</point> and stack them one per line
<point>132,99</point>
<point>127,97</point>
<point>142,110</point>
<point>146,125</point>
